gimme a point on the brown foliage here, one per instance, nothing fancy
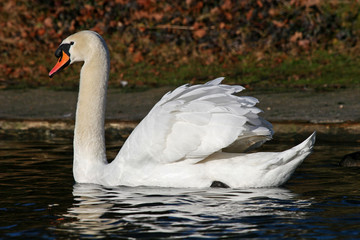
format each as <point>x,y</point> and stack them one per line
<point>161,31</point>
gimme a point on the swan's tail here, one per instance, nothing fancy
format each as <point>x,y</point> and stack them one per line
<point>283,166</point>
<point>260,169</point>
<point>307,145</point>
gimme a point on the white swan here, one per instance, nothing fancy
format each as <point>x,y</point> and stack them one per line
<point>195,136</point>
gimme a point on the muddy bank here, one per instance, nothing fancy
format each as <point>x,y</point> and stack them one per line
<point>334,114</point>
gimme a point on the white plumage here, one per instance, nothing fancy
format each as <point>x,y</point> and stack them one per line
<point>193,122</point>
<point>194,136</point>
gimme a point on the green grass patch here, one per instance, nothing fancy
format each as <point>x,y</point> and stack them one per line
<point>274,72</point>
<point>321,70</point>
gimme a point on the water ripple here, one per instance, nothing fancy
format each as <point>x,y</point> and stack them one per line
<point>40,201</point>
<point>181,212</point>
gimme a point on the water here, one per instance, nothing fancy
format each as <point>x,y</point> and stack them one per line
<point>39,200</point>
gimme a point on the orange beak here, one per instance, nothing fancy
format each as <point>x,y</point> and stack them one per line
<point>64,61</point>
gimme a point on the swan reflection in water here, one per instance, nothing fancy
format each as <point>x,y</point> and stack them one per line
<point>134,212</point>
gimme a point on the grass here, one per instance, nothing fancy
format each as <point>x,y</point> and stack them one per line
<point>321,70</point>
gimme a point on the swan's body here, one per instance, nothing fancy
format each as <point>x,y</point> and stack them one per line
<point>194,136</point>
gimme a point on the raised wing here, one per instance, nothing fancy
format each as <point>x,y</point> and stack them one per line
<point>193,122</point>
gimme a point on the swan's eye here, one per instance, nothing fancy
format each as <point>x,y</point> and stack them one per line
<point>71,43</point>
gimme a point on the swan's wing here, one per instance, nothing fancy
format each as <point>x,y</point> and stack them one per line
<point>192,122</point>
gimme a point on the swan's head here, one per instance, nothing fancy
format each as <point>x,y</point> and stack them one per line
<point>76,48</point>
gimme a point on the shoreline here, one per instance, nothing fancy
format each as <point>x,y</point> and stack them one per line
<point>333,132</point>
<point>295,114</point>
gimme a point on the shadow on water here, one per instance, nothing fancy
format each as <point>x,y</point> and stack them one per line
<point>40,200</point>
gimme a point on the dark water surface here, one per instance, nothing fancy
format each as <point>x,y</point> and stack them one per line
<point>39,200</point>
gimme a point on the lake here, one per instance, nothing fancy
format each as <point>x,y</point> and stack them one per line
<point>39,200</point>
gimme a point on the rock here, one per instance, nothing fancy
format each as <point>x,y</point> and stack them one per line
<point>351,160</point>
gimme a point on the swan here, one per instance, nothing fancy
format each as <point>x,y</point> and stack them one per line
<point>195,137</point>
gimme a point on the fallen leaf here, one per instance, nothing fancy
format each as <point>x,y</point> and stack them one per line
<point>227,5</point>
<point>48,22</point>
<point>278,23</point>
<point>296,36</point>
<point>304,44</point>
<point>249,14</point>
<point>199,33</point>
<point>138,57</point>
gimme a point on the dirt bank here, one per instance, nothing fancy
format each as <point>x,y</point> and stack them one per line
<point>316,110</point>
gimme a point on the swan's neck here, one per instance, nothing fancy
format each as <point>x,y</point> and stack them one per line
<point>89,139</point>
